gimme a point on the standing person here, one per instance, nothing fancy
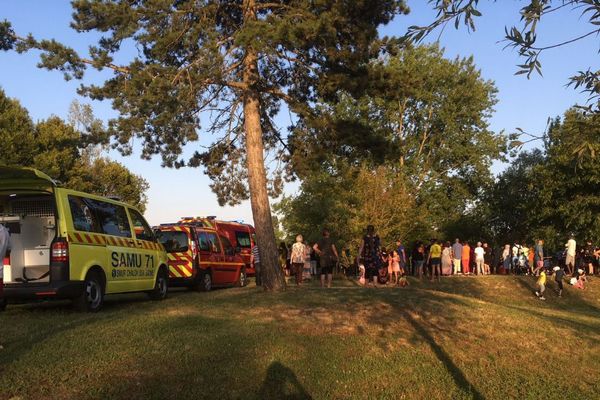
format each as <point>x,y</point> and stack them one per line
<point>479,258</point>
<point>306,270</point>
<point>516,250</point>
<point>419,259</point>
<point>435,260</point>
<point>457,256</point>
<point>571,247</point>
<point>297,257</point>
<point>487,258</point>
<point>313,263</point>
<point>506,260</point>
<point>402,253</point>
<point>447,259</point>
<point>538,256</point>
<point>466,258</point>
<point>541,282</point>
<point>588,256</point>
<point>369,254</point>
<point>559,273</point>
<point>255,261</point>
<point>4,252</point>
<point>283,256</point>
<point>394,267</point>
<point>328,255</point>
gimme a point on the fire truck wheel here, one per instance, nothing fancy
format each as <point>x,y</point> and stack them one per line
<point>204,283</point>
<point>243,278</point>
<point>161,286</point>
<point>92,298</point>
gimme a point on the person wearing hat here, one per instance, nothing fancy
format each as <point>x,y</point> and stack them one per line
<point>479,261</point>
<point>559,273</point>
<point>4,251</point>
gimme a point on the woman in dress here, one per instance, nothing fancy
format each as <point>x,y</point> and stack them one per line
<point>394,267</point>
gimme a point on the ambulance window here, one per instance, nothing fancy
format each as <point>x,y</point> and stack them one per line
<point>113,218</point>
<point>227,247</point>
<point>141,227</point>
<point>213,242</point>
<point>243,239</point>
<point>174,241</point>
<point>84,219</point>
<point>204,243</point>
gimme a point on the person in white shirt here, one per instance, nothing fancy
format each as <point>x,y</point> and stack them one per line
<point>479,259</point>
<point>571,247</point>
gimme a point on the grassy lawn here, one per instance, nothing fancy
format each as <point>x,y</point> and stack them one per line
<point>463,338</point>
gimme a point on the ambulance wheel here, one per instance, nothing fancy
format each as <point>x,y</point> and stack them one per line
<point>243,278</point>
<point>3,303</point>
<point>161,286</point>
<point>92,298</point>
<point>204,283</point>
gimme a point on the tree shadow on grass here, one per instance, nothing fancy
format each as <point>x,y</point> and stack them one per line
<point>282,383</point>
<point>457,375</point>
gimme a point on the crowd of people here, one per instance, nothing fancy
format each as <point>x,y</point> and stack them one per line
<point>375,265</point>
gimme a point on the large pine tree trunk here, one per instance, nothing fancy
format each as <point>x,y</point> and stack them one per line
<point>271,274</point>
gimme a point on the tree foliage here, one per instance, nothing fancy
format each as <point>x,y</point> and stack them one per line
<point>408,156</point>
<point>549,194</point>
<point>58,148</point>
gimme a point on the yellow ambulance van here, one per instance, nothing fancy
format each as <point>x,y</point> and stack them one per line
<point>71,245</point>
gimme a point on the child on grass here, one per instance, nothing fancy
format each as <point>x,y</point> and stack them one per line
<point>541,282</point>
<point>581,279</point>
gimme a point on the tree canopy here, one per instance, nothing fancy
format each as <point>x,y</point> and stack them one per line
<point>547,193</point>
<point>58,149</point>
<point>408,156</point>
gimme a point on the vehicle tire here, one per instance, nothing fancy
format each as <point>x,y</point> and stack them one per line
<point>161,286</point>
<point>243,278</point>
<point>92,298</point>
<point>204,283</point>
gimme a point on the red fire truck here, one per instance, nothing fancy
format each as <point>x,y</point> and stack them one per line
<point>200,257</point>
<point>239,234</point>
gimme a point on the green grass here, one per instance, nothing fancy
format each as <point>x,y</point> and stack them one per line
<point>463,338</point>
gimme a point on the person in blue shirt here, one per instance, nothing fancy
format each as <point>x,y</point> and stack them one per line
<point>457,255</point>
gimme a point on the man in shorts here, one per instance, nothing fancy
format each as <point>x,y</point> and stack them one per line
<point>571,247</point>
<point>328,255</point>
<point>435,260</point>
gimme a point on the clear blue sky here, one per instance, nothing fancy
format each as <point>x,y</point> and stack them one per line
<point>522,103</point>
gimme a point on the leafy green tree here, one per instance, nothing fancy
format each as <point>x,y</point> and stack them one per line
<point>569,199</point>
<point>59,149</point>
<point>408,156</point>
<point>238,60</point>
<point>548,194</point>
<point>524,38</point>
<point>16,132</point>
